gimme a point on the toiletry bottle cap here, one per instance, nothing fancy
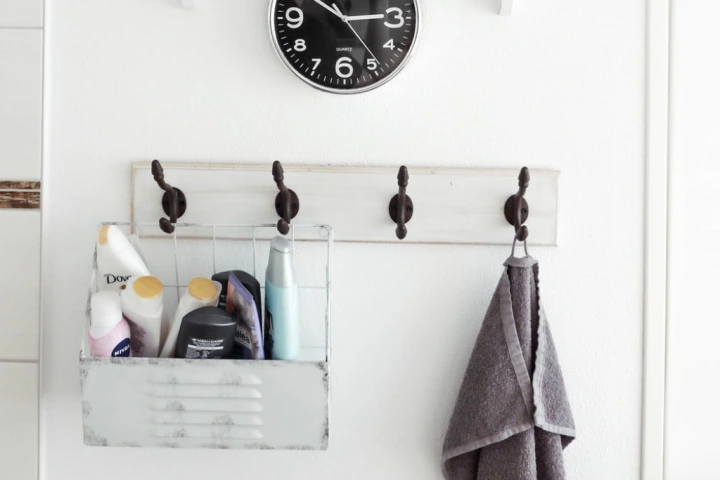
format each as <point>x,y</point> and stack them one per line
<point>147,287</point>
<point>103,234</point>
<point>202,288</point>
<point>105,309</point>
<point>281,244</point>
<point>111,235</point>
<point>280,271</point>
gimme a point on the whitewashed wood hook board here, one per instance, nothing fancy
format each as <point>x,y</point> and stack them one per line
<point>452,206</point>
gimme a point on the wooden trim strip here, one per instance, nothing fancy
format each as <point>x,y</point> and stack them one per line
<point>19,199</point>
<point>19,185</point>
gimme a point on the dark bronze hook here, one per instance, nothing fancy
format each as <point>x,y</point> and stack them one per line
<point>287,203</point>
<point>516,207</point>
<point>401,205</point>
<point>174,202</point>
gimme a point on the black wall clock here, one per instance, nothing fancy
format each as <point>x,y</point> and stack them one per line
<point>344,46</point>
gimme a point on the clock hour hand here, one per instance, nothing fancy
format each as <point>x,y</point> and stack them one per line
<point>327,7</point>
<point>352,18</point>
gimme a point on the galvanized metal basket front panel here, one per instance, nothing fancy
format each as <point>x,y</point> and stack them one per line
<point>205,404</point>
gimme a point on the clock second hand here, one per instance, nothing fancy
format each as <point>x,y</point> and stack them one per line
<point>345,19</point>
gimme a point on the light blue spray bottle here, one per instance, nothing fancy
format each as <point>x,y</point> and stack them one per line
<point>282,322</point>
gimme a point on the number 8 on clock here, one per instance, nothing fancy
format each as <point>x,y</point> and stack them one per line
<point>344,46</point>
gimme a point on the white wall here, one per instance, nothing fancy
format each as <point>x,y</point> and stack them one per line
<point>693,383</point>
<point>560,84</point>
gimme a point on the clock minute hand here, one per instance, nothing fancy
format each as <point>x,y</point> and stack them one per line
<point>365,17</point>
<point>345,19</point>
<point>327,7</point>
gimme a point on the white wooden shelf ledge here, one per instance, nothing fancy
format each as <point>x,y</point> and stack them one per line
<point>505,7</point>
<point>188,4</point>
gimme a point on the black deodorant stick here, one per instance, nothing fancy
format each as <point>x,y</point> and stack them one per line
<point>208,332</point>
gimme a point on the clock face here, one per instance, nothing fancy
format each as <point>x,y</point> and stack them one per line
<point>344,46</point>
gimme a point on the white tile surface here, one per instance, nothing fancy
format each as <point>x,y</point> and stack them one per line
<point>20,103</point>
<point>21,13</point>
<point>19,285</point>
<point>18,421</point>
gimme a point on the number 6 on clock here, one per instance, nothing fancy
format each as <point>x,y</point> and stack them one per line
<point>344,68</point>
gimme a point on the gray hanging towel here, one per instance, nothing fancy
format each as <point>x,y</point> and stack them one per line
<point>512,418</point>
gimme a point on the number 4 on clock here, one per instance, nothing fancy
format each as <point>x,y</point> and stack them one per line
<point>390,44</point>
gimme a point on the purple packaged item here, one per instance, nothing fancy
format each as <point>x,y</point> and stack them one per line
<point>248,337</point>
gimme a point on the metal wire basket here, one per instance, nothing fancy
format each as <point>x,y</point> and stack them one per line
<point>265,404</point>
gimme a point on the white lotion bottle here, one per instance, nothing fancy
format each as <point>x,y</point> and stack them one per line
<point>109,334</point>
<point>117,259</point>
<point>201,292</point>
<point>142,305</point>
<point>282,315</point>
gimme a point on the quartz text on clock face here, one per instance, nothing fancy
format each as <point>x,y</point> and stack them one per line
<point>344,46</point>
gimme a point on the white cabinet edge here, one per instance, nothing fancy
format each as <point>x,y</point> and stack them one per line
<point>656,235</point>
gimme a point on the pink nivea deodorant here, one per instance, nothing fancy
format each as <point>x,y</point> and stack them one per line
<point>109,334</point>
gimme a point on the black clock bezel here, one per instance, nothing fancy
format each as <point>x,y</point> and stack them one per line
<point>379,83</point>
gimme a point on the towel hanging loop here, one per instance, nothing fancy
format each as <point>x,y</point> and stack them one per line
<point>287,203</point>
<point>174,202</point>
<point>517,209</point>
<point>512,254</point>
<point>401,205</point>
